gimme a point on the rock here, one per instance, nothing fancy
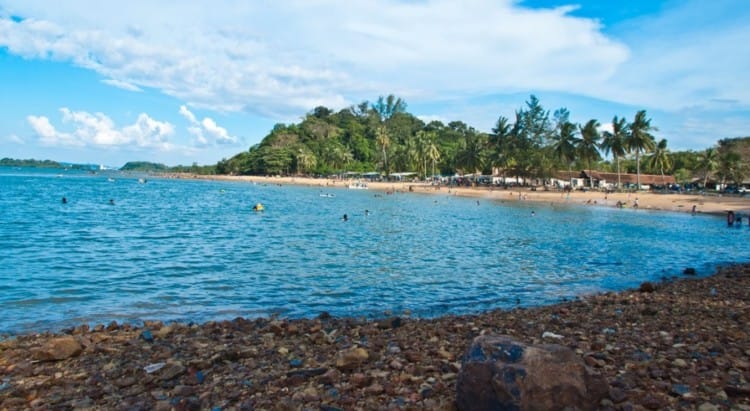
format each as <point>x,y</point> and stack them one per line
<point>57,349</point>
<point>689,271</point>
<point>393,322</point>
<point>171,370</point>
<point>647,287</point>
<point>351,358</point>
<point>147,336</point>
<point>552,336</point>
<point>707,406</point>
<point>499,372</point>
<point>680,363</point>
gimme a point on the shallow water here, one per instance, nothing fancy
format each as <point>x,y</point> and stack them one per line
<point>180,250</point>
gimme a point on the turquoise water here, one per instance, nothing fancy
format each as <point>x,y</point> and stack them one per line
<point>180,250</point>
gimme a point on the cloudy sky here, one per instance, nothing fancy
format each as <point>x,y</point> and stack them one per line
<point>183,82</point>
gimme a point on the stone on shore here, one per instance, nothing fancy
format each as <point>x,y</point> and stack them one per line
<point>57,349</point>
<point>499,372</point>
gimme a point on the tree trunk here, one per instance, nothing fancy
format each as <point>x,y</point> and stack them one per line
<point>619,184</point>
<point>637,171</point>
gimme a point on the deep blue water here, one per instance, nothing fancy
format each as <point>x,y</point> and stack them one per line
<point>180,250</point>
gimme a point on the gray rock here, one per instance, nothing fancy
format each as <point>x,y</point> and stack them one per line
<point>500,373</point>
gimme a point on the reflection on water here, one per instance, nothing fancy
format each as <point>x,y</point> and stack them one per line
<point>194,251</point>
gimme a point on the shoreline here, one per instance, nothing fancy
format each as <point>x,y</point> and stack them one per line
<point>713,204</point>
<point>678,344</point>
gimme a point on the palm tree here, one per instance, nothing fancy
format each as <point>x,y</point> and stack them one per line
<point>384,141</point>
<point>588,145</point>
<point>564,144</point>
<point>709,162</point>
<point>640,140</point>
<point>614,142</point>
<point>471,156</point>
<point>660,158</point>
<point>433,154</point>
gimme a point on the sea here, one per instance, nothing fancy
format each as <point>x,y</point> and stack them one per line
<point>129,247</point>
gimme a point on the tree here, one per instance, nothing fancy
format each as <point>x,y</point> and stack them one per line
<point>709,162</point>
<point>639,140</point>
<point>660,159</point>
<point>564,143</point>
<point>472,155</point>
<point>384,141</point>
<point>614,142</point>
<point>389,106</point>
<point>588,145</point>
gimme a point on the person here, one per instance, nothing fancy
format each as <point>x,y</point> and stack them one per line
<point>533,213</point>
<point>367,212</point>
<point>64,200</point>
<point>345,218</point>
<point>730,218</point>
<point>693,211</point>
<point>738,220</point>
<point>258,207</point>
<point>111,202</point>
<point>635,203</point>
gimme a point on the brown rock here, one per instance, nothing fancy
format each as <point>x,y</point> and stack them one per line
<point>499,372</point>
<point>60,348</point>
<point>351,358</point>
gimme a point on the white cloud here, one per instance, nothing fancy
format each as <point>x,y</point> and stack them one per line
<point>100,131</point>
<point>282,58</point>
<point>122,84</point>
<point>15,139</point>
<point>208,126</point>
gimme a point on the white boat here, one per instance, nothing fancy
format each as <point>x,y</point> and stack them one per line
<point>358,185</point>
<point>327,195</point>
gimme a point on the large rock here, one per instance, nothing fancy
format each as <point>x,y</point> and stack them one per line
<point>57,349</point>
<point>500,373</point>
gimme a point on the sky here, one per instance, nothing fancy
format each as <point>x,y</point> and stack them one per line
<point>194,82</point>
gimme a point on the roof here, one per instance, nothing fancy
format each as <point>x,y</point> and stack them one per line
<point>650,179</point>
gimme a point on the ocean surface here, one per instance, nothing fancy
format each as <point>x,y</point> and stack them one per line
<point>182,250</point>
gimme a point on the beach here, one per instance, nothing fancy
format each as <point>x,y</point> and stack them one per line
<point>711,203</point>
<point>682,344</point>
<point>678,345</point>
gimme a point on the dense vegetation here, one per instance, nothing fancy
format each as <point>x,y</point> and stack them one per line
<point>537,143</point>
<point>10,162</point>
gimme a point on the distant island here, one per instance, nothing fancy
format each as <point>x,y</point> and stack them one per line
<point>11,162</point>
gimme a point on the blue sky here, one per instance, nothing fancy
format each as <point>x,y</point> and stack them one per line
<point>184,82</point>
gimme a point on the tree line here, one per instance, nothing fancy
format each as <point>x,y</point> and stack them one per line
<point>535,144</point>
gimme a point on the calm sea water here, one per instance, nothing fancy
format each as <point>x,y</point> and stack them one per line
<point>181,250</point>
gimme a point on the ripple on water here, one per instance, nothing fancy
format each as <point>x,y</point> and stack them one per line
<point>185,250</point>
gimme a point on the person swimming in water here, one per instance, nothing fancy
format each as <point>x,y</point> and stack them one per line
<point>345,218</point>
<point>64,200</point>
<point>111,202</point>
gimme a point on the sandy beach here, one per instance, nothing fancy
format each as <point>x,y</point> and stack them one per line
<point>709,203</point>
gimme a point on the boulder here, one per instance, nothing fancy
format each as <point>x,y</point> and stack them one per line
<point>58,349</point>
<point>500,373</point>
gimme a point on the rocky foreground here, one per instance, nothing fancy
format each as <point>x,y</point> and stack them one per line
<point>677,345</point>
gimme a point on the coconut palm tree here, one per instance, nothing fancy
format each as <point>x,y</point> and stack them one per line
<point>564,143</point>
<point>588,145</point>
<point>614,142</point>
<point>660,158</point>
<point>433,154</point>
<point>384,141</point>
<point>640,140</point>
<point>709,162</point>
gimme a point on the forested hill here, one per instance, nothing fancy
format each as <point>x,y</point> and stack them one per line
<point>537,143</point>
<point>11,162</point>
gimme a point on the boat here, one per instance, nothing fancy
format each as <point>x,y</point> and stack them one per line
<point>327,195</point>
<point>111,180</point>
<point>142,181</point>
<point>358,185</point>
